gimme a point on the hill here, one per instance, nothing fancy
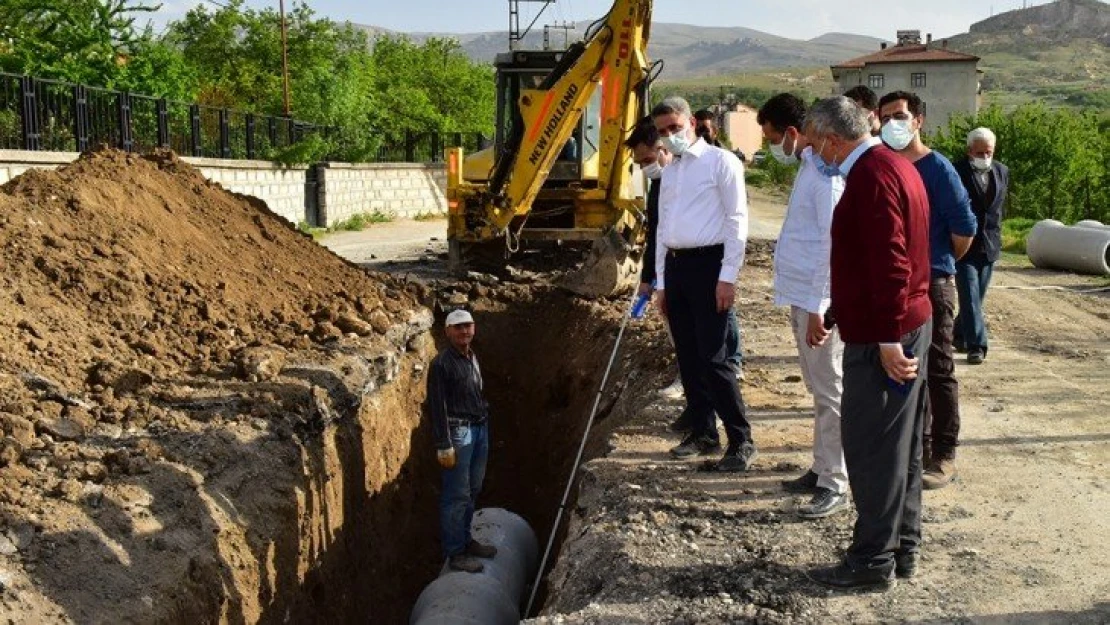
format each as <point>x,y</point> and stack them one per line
<point>690,51</point>
<point>1058,52</point>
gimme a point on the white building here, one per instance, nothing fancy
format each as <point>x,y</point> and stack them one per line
<point>947,81</point>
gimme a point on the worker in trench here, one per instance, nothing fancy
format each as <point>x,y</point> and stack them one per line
<point>460,427</point>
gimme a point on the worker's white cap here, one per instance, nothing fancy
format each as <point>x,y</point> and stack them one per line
<point>457,317</point>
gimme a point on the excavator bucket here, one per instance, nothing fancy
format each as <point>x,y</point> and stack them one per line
<point>609,269</point>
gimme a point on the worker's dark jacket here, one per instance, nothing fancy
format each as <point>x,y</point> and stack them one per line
<point>454,394</point>
<point>988,204</point>
<point>647,273</point>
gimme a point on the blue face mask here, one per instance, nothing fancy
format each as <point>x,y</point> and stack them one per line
<point>830,171</point>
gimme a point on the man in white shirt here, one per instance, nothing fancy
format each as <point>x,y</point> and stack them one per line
<point>703,226</point>
<point>802,283</point>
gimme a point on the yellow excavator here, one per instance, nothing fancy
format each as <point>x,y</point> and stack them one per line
<point>558,171</point>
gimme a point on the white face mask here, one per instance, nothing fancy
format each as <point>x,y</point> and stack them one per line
<point>980,163</point>
<point>897,133</point>
<point>654,171</point>
<point>779,152</point>
<point>676,143</point>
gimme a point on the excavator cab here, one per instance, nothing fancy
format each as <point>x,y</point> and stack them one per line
<point>557,173</point>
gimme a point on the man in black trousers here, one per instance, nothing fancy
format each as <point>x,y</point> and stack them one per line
<point>703,226</point>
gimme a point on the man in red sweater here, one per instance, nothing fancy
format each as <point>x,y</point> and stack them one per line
<point>880,300</point>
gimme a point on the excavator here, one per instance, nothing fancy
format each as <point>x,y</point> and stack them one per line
<point>558,172</point>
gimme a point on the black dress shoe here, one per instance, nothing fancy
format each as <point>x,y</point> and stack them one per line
<point>845,577</point>
<point>905,564</point>
<point>805,484</point>
<point>826,502</point>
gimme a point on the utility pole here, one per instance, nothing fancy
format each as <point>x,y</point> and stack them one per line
<point>285,107</point>
<point>516,36</point>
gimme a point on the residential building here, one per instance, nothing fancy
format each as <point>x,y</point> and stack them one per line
<point>946,80</point>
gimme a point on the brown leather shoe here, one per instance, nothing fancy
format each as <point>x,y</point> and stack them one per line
<point>939,473</point>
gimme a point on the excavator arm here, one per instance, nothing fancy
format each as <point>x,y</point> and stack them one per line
<point>612,58</point>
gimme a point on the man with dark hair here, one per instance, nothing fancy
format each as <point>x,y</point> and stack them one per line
<point>880,299</point>
<point>706,127</point>
<point>699,251</point>
<point>951,231</point>
<point>802,282</point>
<point>866,98</point>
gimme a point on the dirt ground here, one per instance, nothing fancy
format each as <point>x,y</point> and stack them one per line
<point>205,417</point>
<point>1020,538</point>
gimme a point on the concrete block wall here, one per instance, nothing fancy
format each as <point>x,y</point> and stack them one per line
<point>323,196</point>
<point>400,189</point>
<point>283,189</point>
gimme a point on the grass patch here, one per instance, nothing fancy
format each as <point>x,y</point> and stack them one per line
<point>315,233</point>
<point>429,216</point>
<point>354,223</point>
<point>1014,233</point>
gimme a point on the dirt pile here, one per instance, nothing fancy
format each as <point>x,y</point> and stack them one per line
<point>186,434</point>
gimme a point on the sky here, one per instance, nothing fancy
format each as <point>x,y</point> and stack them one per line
<point>796,19</point>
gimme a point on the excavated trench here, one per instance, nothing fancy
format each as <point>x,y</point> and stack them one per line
<point>542,354</point>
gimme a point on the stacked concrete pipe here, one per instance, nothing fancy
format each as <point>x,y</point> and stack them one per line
<point>492,597</point>
<point>1082,248</point>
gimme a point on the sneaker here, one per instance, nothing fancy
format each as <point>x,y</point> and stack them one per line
<point>905,564</point>
<point>464,562</point>
<point>975,356</point>
<point>826,502</point>
<point>805,484</point>
<point>480,550</point>
<point>695,445</point>
<point>674,391</point>
<point>939,473</point>
<point>738,459</point>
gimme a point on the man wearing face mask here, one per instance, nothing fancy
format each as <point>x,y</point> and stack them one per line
<point>987,182</point>
<point>703,226</point>
<point>951,230</point>
<point>879,272</point>
<point>802,283</point>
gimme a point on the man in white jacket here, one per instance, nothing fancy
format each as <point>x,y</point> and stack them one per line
<point>802,283</point>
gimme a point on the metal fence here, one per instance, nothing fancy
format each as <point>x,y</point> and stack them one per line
<point>50,115</point>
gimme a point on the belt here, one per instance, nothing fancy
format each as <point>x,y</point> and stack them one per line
<point>707,250</point>
<point>455,422</point>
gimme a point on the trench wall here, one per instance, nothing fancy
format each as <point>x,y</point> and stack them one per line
<point>321,195</point>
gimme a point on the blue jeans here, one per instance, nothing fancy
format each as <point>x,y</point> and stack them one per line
<point>461,486</point>
<point>972,279</point>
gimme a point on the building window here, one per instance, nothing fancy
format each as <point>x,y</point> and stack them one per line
<point>875,81</point>
<point>917,80</point>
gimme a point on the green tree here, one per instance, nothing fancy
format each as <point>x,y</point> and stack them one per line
<point>87,41</point>
<point>1057,158</point>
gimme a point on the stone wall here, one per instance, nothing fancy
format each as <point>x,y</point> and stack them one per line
<point>400,189</point>
<point>321,195</point>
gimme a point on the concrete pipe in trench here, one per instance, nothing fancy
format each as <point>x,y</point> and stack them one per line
<point>1080,248</point>
<point>493,596</point>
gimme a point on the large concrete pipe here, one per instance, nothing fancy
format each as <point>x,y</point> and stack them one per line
<point>1082,249</point>
<point>494,595</point>
<point>1091,223</point>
